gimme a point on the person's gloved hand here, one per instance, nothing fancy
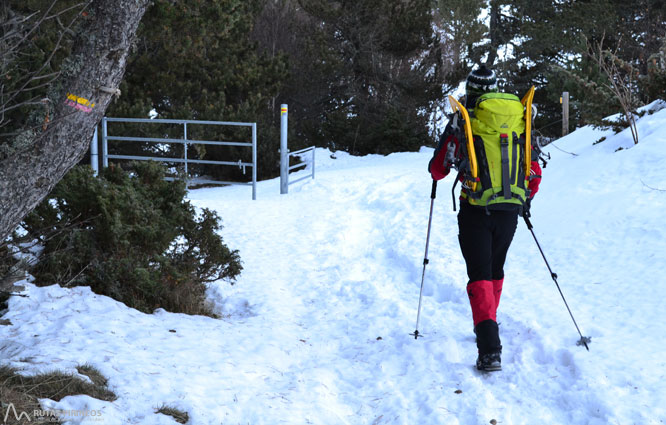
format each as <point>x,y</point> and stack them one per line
<point>436,166</point>
<point>440,165</point>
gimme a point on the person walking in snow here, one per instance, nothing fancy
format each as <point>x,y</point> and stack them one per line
<point>491,200</point>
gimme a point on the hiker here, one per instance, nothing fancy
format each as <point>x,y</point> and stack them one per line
<point>488,215</point>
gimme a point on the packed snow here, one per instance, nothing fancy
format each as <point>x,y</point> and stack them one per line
<point>316,329</point>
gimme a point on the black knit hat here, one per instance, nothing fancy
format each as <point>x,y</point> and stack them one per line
<point>480,81</point>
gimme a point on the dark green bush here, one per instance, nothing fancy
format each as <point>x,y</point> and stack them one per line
<point>130,236</point>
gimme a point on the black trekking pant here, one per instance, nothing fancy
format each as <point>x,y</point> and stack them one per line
<point>485,239</point>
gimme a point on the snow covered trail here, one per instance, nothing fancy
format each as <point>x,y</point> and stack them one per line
<point>316,330</point>
<point>356,266</point>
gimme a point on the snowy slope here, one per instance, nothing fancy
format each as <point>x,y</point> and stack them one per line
<point>316,331</point>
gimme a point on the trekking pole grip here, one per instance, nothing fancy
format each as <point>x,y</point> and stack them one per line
<point>434,189</point>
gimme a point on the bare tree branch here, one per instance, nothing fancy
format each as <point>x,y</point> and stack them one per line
<point>620,81</point>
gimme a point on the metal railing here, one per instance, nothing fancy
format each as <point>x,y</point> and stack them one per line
<point>185,142</point>
<point>310,161</point>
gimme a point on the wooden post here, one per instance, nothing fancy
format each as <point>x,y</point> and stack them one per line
<point>565,113</point>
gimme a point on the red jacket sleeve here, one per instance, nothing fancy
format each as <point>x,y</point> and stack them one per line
<point>442,160</point>
<point>535,178</point>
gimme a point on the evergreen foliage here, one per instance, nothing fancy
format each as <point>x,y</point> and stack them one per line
<point>653,83</point>
<point>629,43</point>
<point>462,32</point>
<point>552,45</point>
<point>364,77</point>
<point>195,60</point>
<point>285,28</point>
<point>378,69</point>
<point>35,39</point>
<point>130,236</point>
<point>533,41</point>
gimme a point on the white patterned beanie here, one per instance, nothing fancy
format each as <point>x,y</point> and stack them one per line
<point>479,81</point>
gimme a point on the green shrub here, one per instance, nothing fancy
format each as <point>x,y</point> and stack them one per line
<point>130,236</point>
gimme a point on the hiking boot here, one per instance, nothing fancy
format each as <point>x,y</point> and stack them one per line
<point>490,362</point>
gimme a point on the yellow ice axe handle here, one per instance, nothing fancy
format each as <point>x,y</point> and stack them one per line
<point>471,153</point>
<point>527,103</point>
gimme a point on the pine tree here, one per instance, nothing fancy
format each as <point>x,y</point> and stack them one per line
<point>632,34</point>
<point>385,74</point>
<point>285,28</point>
<point>462,31</point>
<point>547,44</point>
<point>195,60</point>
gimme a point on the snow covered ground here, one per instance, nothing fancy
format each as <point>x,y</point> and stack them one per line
<point>316,331</point>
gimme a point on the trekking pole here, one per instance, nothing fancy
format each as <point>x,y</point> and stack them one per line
<point>416,333</point>
<point>583,339</point>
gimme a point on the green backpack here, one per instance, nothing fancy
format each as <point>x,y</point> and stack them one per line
<point>496,165</point>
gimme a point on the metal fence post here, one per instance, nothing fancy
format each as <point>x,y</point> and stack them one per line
<point>565,113</point>
<point>105,147</point>
<point>254,161</point>
<point>185,148</point>
<point>284,152</point>
<point>94,157</point>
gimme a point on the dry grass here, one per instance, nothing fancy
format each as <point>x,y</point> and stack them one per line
<point>98,380</point>
<point>180,416</point>
<point>22,403</point>
<point>25,391</point>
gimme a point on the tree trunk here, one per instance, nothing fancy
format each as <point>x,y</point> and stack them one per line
<point>494,31</point>
<point>94,70</point>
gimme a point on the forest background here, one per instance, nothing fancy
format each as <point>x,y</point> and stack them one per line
<point>364,77</point>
